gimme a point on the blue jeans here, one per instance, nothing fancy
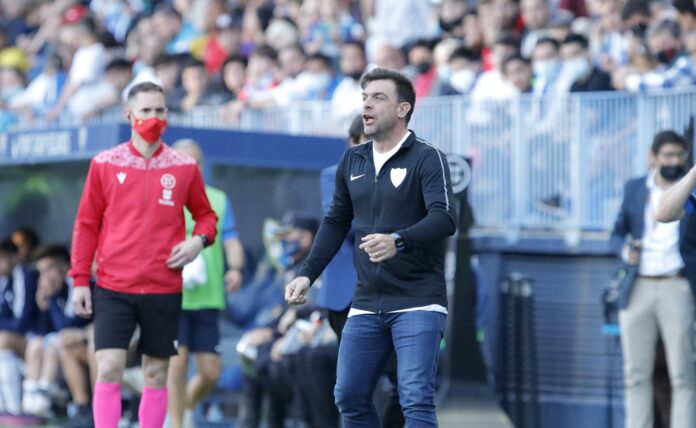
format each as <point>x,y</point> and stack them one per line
<point>366,345</point>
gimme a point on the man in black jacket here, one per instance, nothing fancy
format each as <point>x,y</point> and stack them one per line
<point>396,189</point>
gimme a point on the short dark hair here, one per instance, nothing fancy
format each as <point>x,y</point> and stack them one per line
<point>547,40</point>
<point>266,51</point>
<point>29,234</point>
<point>320,57</point>
<point>421,43</point>
<point>667,137</point>
<point>508,39</point>
<point>666,25</point>
<point>685,6</point>
<point>514,57</point>
<point>464,53</point>
<point>235,59</point>
<point>165,59</point>
<point>8,247</point>
<point>404,87</point>
<point>356,130</point>
<point>193,63</point>
<point>118,64</point>
<point>636,7</point>
<point>54,251</point>
<point>144,87</point>
<point>576,38</point>
<point>356,43</point>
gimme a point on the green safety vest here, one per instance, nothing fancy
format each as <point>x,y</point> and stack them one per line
<point>210,295</point>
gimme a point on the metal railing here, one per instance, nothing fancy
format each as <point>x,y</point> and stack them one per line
<point>556,164</point>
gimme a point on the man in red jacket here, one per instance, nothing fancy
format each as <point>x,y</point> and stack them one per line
<point>131,222</point>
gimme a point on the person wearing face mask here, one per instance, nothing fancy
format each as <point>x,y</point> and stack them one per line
<point>675,68</point>
<point>131,222</point>
<point>583,76</point>
<point>424,75</point>
<point>464,66</point>
<point>546,66</point>
<point>347,97</point>
<point>656,293</point>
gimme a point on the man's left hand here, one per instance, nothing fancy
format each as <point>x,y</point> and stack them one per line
<point>378,246</point>
<point>184,252</point>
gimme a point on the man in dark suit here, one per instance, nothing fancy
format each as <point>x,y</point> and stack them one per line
<point>656,292</point>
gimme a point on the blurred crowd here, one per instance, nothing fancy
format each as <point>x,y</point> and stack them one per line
<point>73,59</point>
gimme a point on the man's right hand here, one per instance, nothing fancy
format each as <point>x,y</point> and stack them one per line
<point>82,301</point>
<point>296,290</point>
<point>631,252</point>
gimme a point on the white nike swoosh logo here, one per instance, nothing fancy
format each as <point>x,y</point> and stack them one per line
<point>353,178</point>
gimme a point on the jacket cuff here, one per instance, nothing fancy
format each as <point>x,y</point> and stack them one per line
<point>81,281</point>
<point>408,245</point>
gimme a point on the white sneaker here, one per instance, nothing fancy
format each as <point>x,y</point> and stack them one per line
<point>42,406</point>
<point>28,402</point>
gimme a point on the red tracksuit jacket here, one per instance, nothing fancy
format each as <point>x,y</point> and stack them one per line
<point>131,214</point>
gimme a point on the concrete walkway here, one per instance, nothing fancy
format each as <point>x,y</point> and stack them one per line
<point>472,406</point>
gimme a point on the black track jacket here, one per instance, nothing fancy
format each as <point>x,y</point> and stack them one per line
<point>412,196</point>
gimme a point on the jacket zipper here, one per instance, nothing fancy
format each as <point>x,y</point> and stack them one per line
<point>374,223</point>
<point>374,230</point>
<point>145,223</point>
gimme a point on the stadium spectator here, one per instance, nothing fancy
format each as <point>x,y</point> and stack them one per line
<point>491,85</point>
<point>40,386</point>
<point>518,72</point>
<point>674,68</point>
<point>546,65</point>
<point>464,68</point>
<point>26,240</point>
<point>143,50</point>
<point>168,71</point>
<point>12,85</point>
<point>686,15</point>
<point>225,42</point>
<point>423,72</point>
<point>387,56</point>
<point>18,312</point>
<point>607,40</point>
<point>42,92</point>
<point>198,87</point>
<point>91,100</point>
<point>577,66</point>
<point>296,234</point>
<point>536,16</point>
<point>393,22</point>
<point>233,72</point>
<point>450,15</point>
<point>87,64</point>
<point>346,100</point>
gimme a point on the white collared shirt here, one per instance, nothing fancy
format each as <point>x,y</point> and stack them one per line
<point>659,253</point>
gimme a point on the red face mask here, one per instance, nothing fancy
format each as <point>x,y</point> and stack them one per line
<point>150,129</point>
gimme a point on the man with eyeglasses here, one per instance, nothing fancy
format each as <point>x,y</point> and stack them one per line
<point>131,223</point>
<point>656,293</point>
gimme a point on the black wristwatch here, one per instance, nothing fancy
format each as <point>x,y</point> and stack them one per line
<point>204,239</point>
<point>399,242</point>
